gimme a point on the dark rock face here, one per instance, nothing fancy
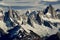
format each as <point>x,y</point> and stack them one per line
<point>49,9</point>
<point>13,31</point>
<point>46,10</point>
<point>38,19</point>
<point>3,35</point>
<point>29,22</point>
<point>53,37</point>
<point>55,24</point>
<point>58,10</point>
<point>7,20</point>
<point>47,24</point>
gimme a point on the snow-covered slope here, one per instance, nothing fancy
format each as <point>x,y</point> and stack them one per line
<point>3,26</point>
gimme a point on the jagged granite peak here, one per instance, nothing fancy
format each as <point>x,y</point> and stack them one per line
<point>48,8</point>
<point>51,10</point>
<point>31,22</point>
<point>33,16</point>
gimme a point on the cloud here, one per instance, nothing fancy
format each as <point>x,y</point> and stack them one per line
<point>47,3</point>
<point>51,0</point>
<point>1,0</point>
<point>21,0</point>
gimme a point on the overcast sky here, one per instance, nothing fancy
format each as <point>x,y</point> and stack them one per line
<point>28,0</point>
<point>17,2</point>
<point>34,3</point>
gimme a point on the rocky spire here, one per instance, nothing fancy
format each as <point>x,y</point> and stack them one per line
<point>52,11</point>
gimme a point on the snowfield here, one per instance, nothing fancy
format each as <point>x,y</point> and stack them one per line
<point>3,26</point>
<point>51,19</point>
<point>40,30</point>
